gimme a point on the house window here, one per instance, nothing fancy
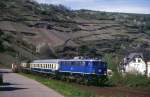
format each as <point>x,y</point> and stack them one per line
<point>134,60</point>
<point>139,60</point>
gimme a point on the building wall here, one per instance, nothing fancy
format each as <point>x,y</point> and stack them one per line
<point>148,69</point>
<point>137,65</point>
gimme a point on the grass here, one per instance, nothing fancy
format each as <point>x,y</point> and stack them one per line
<point>65,89</point>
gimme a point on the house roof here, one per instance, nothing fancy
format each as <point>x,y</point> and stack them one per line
<point>131,56</point>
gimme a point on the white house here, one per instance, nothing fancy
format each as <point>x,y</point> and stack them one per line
<point>134,63</point>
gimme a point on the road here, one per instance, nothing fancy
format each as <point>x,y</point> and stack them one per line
<point>16,85</point>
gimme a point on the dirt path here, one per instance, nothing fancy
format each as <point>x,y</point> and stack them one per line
<point>16,85</point>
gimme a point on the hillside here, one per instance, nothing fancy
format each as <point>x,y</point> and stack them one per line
<point>29,30</point>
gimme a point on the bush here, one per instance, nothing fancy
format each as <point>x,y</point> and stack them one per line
<point>129,80</point>
<point>112,61</point>
<point>136,80</point>
<point>115,80</point>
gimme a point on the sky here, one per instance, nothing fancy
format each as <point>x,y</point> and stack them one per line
<point>125,6</point>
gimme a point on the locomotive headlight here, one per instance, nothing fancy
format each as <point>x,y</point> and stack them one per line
<point>99,70</point>
<point>105,72</point>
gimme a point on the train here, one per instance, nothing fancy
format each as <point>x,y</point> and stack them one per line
<point>79,70</point>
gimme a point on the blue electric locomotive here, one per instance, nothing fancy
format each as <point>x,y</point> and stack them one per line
<point>94,67</point>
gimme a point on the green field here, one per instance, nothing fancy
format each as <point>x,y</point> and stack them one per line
<point>66,89</point>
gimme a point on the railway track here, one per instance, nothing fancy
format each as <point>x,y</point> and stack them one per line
<point>119,91</point>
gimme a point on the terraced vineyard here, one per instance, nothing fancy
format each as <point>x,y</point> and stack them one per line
<point>32,31</point>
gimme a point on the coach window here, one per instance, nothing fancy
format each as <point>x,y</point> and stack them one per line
<point>42,65</point>
<point>52,66</point>
<point>48,66</point>
<point>55,66</point>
